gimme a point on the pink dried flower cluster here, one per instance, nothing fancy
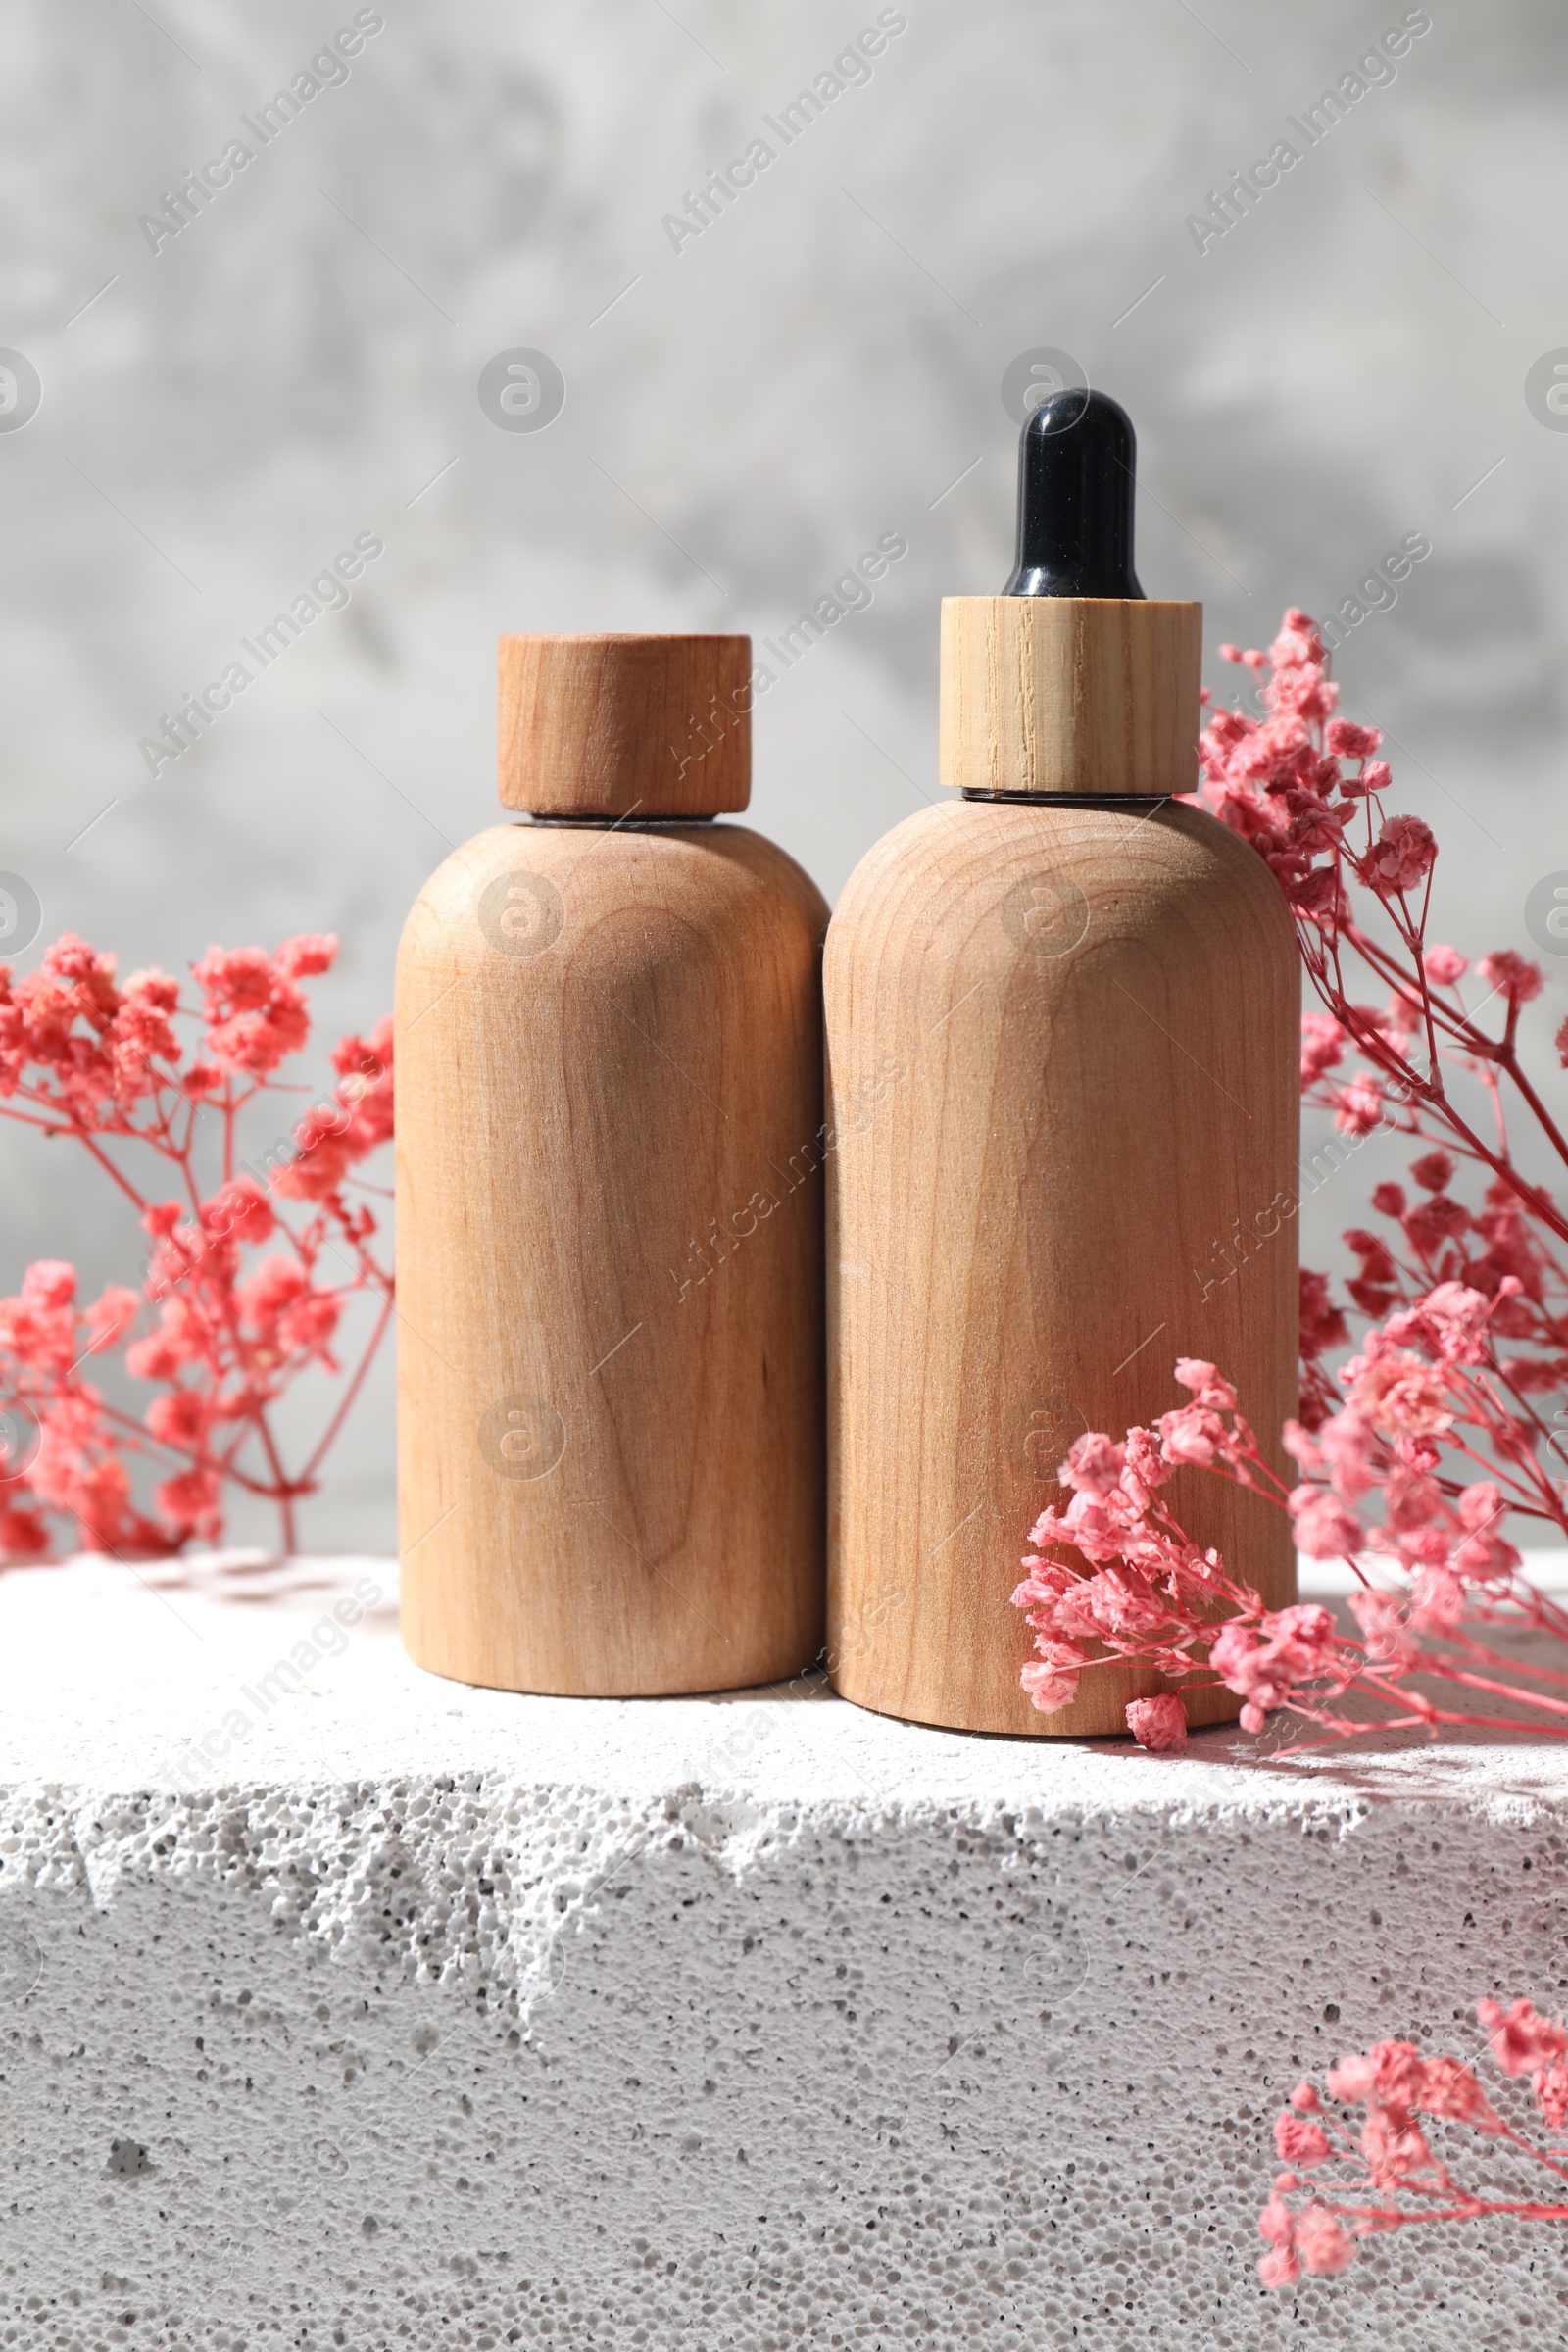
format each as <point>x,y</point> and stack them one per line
<point>1358,884</point>
<point>1416,1451</point>
<point>221,1331</point>
<point>1140,1590</point>
<point>1148,1594</point>
<point>1387,2164</point>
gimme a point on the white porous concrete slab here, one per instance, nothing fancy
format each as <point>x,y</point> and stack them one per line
<point>340,2006</point>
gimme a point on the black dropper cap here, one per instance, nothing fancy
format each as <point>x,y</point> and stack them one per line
<point>1077,462</point>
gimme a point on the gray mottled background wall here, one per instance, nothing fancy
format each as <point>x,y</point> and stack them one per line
<point>742,416</point>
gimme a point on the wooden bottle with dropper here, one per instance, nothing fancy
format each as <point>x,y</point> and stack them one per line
<point>1093,991</point>
<point>609,1205</point>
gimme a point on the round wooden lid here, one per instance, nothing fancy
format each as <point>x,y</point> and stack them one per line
<point>629,726</point>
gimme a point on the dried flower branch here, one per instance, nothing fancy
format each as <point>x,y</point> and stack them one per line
<point>1415,1452</point>
<point>1388,2165</point>
<point>222,1333</point>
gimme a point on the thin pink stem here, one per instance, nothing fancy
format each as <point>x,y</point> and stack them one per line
<point>350,1392</point>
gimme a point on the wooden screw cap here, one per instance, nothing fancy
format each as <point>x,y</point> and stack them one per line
<point>618,725</point>
<point>1070,694</point>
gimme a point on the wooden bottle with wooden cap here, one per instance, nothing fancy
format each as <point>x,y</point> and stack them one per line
<point>609,1215</point>
<point>1087,1165</point>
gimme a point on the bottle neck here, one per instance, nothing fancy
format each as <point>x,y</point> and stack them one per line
<point>1147,801</point>
<point>629,823</point>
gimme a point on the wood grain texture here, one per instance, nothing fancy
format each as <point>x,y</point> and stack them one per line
<point>603,725</point>
<point>610,1263</point>
<point>1062,1048</point>
<point>1069,694</point>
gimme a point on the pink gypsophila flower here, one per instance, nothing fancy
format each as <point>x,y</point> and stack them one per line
<point>1353,1450</point>
<point>1052,1680</point>
<point>1394,2148</point>
<point>1518,980</point>
<point>1522,2043</point>
<point>1277,2222</point>
<point>1443,966</point>
<point>1159,1724</point>
<point>1454,1320</point>
<point>255,1015</point>
<point>1120,1602</point>
<point>1094,1465</point>
<point>1385,1623</point>
<point>1551,2087</point>
<point>1323,2242</point>
<point>1301,1447</point>
<point>111,1315</point>
<point>1323,1324</point>
<point>1359,1106</point>
<point>1404,852</point>
<point>1483,1556</point>
<point>1450,2088</point>
<point>1433,1222</point>
<point>1402,1396</point>
<point>1433,1171</point>
<point>1300,2144</point>
<point>1203,1379</point>
<point>306,954</point>
<point>1265,1663</point>
<point>1192,1433</point>
<point>1344,740</point>
<point>40,1325</point>
<point>191,1501</point>
<point>323,1157</point>
<point>1324,1529</point>
<point>1323,1043</point>
<point>365,1087</point>
<point>1146,1469</point>
<point>1353,2079</point>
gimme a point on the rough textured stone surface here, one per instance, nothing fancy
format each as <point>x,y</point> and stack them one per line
<point>442,2016</point>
